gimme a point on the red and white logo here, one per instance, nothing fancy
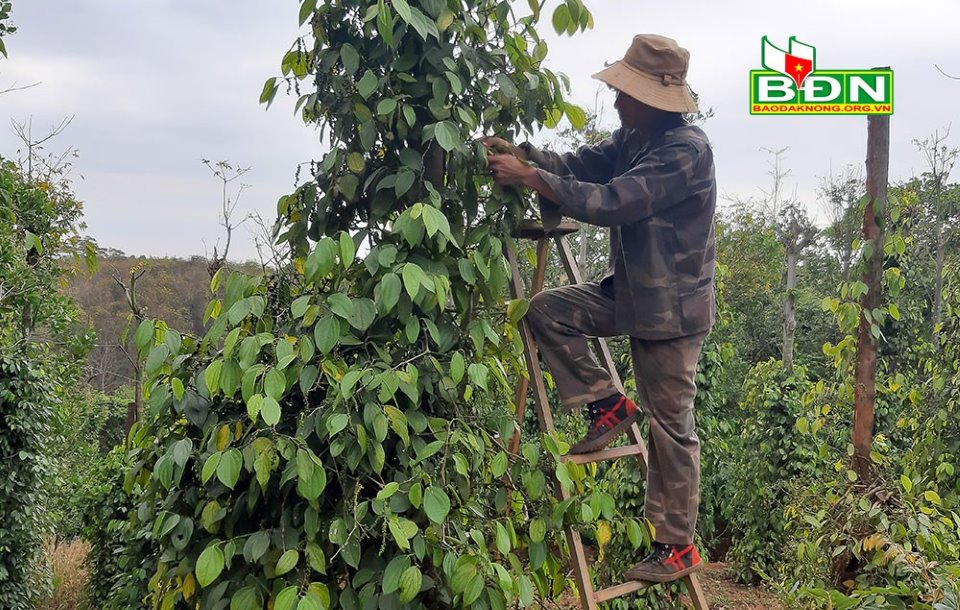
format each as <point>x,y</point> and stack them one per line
<point>796,63</point>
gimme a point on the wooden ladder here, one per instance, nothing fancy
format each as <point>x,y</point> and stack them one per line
<point>589,598</point>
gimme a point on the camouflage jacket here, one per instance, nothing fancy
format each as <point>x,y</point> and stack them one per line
<point>658,197</point>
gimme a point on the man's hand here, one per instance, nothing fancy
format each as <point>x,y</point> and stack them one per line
<point>508,166</point>
<point>508,170</point>
<point>501,147</point>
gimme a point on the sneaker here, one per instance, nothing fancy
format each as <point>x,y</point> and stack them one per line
<point>604,424</point>
<point>667,562</point>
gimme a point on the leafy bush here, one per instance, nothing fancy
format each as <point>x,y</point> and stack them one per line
<point>337,436</point>
<point>38,231</point>
<point>766,458</point>
<point>120,560</point>
<point>26,408</point>
<point>884,547</point>
<point>86,426</point>
<point>896,543</point>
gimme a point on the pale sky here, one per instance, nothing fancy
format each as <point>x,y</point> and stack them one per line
<point>154,85</point>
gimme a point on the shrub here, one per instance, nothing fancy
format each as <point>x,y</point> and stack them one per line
<point>118,559</point>
<point>766,458</point>
<point>26,408</point>
<point>889,546</point>
<point>336,436</point>
<point>87,425</point>
<point>895,543</point>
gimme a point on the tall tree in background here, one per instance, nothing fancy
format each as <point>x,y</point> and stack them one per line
<point>839,197</point>
<point>137,319</point>
<point>785,216</point>
<point>941,207</point>
<point>797,233</point>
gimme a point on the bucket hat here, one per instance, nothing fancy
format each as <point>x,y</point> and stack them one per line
<point>653,71</point>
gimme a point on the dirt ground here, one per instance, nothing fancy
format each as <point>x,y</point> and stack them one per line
<point>726,594</point>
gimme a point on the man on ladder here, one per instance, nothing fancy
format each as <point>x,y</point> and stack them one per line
<point>653,184</point>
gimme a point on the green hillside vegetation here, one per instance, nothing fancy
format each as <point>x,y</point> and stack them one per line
<point>172,289</point>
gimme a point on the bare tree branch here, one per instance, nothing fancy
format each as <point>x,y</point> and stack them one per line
<point>227,173</point>
<point>270,254</point>
<point>773,199</point>
<point>14,87</point>
<point>55,166</point>
<point>130,289</point>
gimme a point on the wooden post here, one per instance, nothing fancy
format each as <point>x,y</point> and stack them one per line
<point>878,158</point>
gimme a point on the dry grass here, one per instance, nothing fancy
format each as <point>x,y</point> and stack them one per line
<point>67,561</point>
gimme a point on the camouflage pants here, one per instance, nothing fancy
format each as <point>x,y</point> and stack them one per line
<point>562,319</point>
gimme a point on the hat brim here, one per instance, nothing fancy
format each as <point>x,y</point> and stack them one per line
<point>647,89</point>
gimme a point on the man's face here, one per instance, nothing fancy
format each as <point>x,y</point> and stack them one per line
<point>633,113</point>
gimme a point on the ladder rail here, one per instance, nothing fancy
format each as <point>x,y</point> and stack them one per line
<point>539,276</point>
<point>581,570</point>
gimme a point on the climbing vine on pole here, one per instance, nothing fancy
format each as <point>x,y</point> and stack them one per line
<point>337,437</point>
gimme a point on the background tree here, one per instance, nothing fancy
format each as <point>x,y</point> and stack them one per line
<point>227,173</point>
<point>37,163</point>
<point>941,207</point>
<point>839,197</point>
<point>771,217</point>
<point>797,233</point>
<point>135,319</point>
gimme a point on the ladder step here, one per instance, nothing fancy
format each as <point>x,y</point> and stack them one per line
<point>605,454</point>
<point>619,590</point>
<point>533,229</point>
